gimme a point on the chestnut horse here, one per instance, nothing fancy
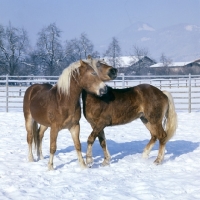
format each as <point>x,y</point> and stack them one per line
<point>120,106</point>
<point>58,106</point>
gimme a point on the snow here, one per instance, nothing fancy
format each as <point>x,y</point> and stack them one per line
<point>128,176</point>
<point>144,39</point>
<point>191,28</point>
<point>146,27</point>
<point>173,64</point>
<point>125,61</point>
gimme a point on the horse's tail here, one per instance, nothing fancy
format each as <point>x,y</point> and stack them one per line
<point>171,122</point>
<point>35,133</point>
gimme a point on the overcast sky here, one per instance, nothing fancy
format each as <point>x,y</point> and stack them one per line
<point>99,19</point>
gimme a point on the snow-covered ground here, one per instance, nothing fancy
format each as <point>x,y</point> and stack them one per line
<point>128,176</point>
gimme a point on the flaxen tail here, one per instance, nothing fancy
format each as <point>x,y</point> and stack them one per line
<point>171,123</point>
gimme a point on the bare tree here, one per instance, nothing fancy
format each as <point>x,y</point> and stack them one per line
<point>166,63</point>
<point>14,45</point>
<point>31,65</point>
<point>113,53</point>
<point>77,49</point>
<point>138,58</point>
<point>73,50</point>
<point>49,50</point>
<point>87,46</point>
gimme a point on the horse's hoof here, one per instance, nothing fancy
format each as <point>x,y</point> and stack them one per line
<point>157,161</point>
<point>89,161</point>
<point>30,159</point>
<point>145,156</point>
<point>105,163</point>
<point>90,164</point>
<point>41,157</point>
<point>50,167</point>
<point>84,166</point>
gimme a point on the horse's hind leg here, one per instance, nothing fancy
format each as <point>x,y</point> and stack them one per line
<point>156,131</point>
<point>148,147</point>
<point>41,130</point>
<point>29,129</point>
<point>102,141</point>
<point>161,152</point>
<point>75,131</point>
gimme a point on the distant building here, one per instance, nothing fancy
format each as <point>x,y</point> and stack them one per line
<point>134,65</point>
<point>176,68</point>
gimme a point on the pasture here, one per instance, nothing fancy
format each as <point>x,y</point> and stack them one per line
<point>127,177</point>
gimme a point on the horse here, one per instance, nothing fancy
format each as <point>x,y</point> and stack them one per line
<point>154,107</point>
<point>58,106</point>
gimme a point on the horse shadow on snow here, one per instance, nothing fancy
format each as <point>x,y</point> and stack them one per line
<point>120,150</point>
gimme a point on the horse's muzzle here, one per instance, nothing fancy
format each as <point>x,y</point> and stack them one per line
<point>113,73</point>
<point>103,91</point>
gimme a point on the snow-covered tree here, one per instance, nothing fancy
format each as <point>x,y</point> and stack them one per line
<point>166,63</point>
<point>77,49</point>
<point>138,59</point>
<point>113,53</point>
<point>14,44</point>
<point>49,50</point>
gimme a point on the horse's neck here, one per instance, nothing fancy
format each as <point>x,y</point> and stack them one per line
<point>74,93</point>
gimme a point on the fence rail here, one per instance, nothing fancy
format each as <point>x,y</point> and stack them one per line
<point>185,89</point>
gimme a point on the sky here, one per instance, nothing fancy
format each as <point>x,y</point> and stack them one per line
<point>99,19</point>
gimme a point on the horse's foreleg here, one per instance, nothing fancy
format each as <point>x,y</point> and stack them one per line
<point>90,142</point>
<point>41,130</point>
<point>75,131</point>
<point>148,147</point>
<point>53,146</point>
<point>102,141</point>
<point>89,159</point>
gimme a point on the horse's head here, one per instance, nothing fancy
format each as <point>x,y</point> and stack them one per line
<point>89,79</point>
<point>105,71</point>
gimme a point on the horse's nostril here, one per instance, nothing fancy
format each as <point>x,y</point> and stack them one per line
<point>105,89</point>
<point>113,71</point>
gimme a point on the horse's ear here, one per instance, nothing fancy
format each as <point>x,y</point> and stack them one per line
<point>98,64</point>
<point>81,62</point>
<point>89,57</point>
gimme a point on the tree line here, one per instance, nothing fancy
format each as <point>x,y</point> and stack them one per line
<point>50,56</point>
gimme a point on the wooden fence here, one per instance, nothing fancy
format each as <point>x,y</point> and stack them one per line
<point>185,89</point>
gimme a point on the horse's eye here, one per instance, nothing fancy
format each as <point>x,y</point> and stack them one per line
<point>94,73</point>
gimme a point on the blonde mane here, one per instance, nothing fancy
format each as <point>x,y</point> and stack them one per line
<point>64,80</point>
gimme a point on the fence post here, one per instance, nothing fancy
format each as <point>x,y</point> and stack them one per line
<point>189,94</point>
<point>123,82</point>
<point>7,93</point>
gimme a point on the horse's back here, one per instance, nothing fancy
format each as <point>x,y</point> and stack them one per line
<point>151,94</point>
<point>33,92</point>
